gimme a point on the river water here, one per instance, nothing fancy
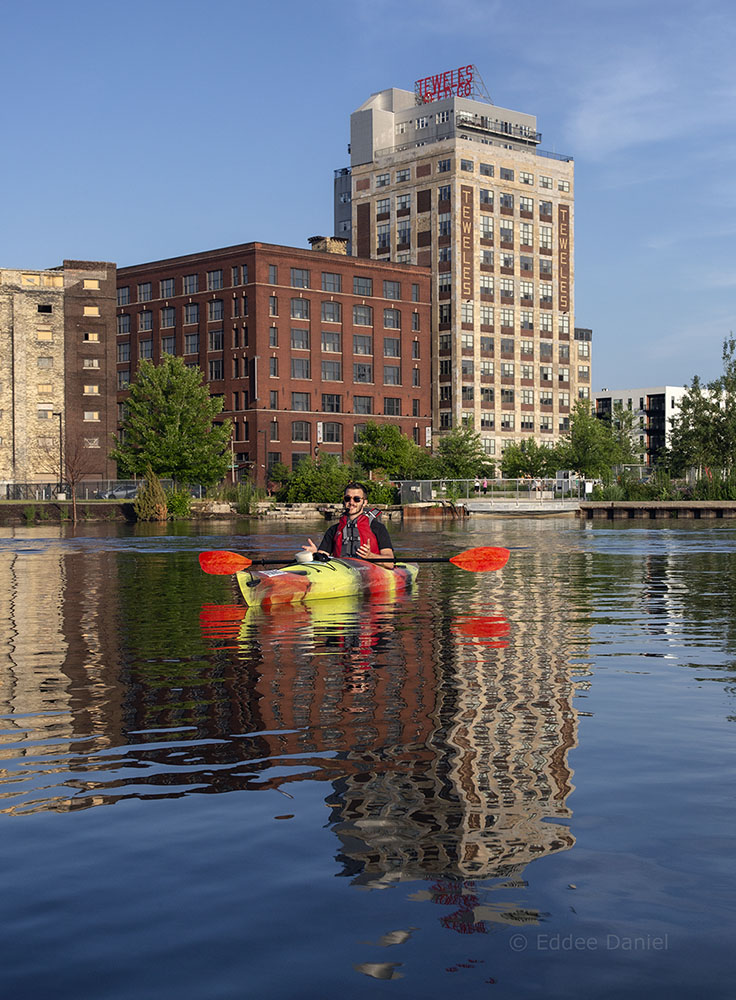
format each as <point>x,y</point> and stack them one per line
<point>514,784</point>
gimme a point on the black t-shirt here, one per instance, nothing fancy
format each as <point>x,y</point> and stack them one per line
<point>379,530</point>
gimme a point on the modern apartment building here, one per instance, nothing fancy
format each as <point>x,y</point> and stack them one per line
<point>305,346</point>
<point>57,372</point>
<point>443,178</point>
<point>653,410</point>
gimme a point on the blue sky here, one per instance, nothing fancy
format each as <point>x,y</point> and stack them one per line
<point>144,130</point>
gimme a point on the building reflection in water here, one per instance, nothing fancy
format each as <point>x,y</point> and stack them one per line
<point>442,724</point>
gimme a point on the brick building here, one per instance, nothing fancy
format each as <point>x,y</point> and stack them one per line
<point>57,366</point>
<point>304,346</point>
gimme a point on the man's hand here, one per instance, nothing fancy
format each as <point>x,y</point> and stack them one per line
<point>310,546</point>
<point>365,552</point>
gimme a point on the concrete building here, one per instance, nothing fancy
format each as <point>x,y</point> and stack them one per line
<point>653,410</point>
<point>443,178</point>
<point>57,372</point>
<point>304,346</point>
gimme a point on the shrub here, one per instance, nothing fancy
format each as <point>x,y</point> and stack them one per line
<point>178,504</point>
<point>150,504</point>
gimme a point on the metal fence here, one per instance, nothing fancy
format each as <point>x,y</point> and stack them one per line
<point>426,490</point>
<point>106,489</point>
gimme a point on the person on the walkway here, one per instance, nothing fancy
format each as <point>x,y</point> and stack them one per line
<point>485,485</point>
<point>357,533</point>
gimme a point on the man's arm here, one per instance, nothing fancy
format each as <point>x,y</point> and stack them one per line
<point>385,549</point>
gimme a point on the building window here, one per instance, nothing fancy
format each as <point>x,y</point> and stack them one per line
<point>191,284</point>
<point>362,315</point>
<point>526,204</point>
<point>299,277</point>
<point>363,404</point>
<point>362,344</point>
<point>191,313</point>
<point>383,206</point>
<point>91,415</point>
<point>91,338</point>
<point>392,319</point>
<point>392,406</point>
<point>215,310</point>
<point>486,229</point>
<point>216,340</point>
<point>145,291</point>
<point>545,182</point>
<point>331,312</point>
<point>507,369</point>
<point>235,275</point>
<point>273,367</point>
<point>391,347</point>
<point>123,352</point>
<point>300,308</point>
<point>331,432</point>
<point>300,430</point>
<point>392,289</point>
<point>486,169</point>
<point>214,280</point>
<point>331,342</point>
<point>443,192</point>
<point>403,201</point>
<point>362,286</point>
<point>145,349</point>
<point>331,282</point>
<point>299,340</point>
<point>273,305</point>
<point>300,401</point>
<point>273,337</point>
<point>391,375</point>
<point>331,402</point>
<point>506,174</point>
<point>526,178</point>
<point>467,165</point>
<point>563,185</point>
<point>444,223</point>
<point>191,343</point>
<point>443,166</point>
<point>91,363</point>
<point>584,373</point>
<point>123,298</point>
<point>383,235</point>
<point>382,180</point>
<point>145,320</point>
<point>402,175</point>
<point>123,378</point>
<point>466,312</point>
<point>362,373</point>
<point>332,371</point>
<point>299,367</point>
<point>123,323</point>
<point>168,316</point>
<point>273,429</point>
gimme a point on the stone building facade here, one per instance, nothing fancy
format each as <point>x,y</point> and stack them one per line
<point>443,178</point>
<point>57,372</point>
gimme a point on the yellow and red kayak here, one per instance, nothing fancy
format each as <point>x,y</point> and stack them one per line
<point>313,581</point>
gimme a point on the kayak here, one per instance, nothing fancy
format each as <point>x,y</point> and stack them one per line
<point>313,581</point>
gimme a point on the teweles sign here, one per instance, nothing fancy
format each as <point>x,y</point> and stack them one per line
<point>451,83</point>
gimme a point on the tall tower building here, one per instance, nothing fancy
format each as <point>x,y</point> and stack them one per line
<point>442,177</point>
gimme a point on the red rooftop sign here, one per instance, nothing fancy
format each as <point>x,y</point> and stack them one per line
<point>452,83</point>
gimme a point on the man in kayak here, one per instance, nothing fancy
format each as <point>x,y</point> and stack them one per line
<point>357,533</point>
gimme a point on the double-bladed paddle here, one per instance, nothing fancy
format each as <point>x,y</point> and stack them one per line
<point>223,563</point>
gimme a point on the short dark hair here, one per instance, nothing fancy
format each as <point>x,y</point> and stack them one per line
<point>356,486</point>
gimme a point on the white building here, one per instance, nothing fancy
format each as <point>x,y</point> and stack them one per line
<point>653,409</point>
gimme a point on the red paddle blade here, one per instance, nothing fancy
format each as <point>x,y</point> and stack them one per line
<point>223,563</point>
<point>481,559</point>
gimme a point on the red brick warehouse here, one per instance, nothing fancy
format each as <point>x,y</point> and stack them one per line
<point>304,346</point>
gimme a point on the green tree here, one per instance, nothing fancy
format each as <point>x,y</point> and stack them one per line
<point>460,455</point>
<point>704,431</point>
<point>323,480</point>
<point>384,447</point>
<point>590,447</point>
<point>170,424</point>
<point>529,459</point>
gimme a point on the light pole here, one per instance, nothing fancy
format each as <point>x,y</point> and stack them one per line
<point>61,451</point>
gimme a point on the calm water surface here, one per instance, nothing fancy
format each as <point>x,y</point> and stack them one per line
<point>517,784</point>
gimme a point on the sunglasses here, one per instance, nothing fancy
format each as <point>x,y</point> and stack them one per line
<point>355,499</point>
